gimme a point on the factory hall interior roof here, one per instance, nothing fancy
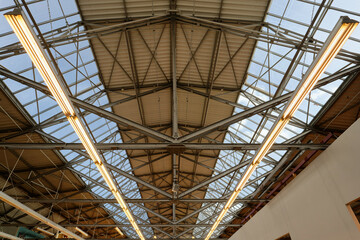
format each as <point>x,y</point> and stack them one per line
<point>177,96</point>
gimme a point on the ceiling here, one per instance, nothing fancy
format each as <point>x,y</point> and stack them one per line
<point>177,95</point>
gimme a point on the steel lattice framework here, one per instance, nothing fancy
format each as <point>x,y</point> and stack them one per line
<point>177,96</point>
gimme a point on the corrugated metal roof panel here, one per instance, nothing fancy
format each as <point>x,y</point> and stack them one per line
<point>239,10</point>
<point>154,109</point>
<point>242,10</point>
<point>113,9</point>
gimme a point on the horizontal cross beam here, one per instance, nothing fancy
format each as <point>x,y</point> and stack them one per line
<point>119,225</point>
<point>261,107</point>
<point>161,200</point>
<point>89,107</point>
<point>160,146</point>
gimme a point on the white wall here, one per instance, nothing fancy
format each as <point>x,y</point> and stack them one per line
<point>313,205</point>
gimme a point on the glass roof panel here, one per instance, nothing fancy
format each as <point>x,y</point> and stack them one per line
<point>267,68</point>
<point>265,74</point>
<point>76,61</point>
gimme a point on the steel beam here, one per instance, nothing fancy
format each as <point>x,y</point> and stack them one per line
<point>174,110</point>
<point>260,108</point>
<point>138,180</point>
<point>154,213</point>
<point>161,146</point>
<point>8,236</point>
<point>333,8</point>
<point>189,137</point>
<point>121,120</point>
<point>215,178</point>
<point>125,174</point>
<point>209,204</point>
<point>122,225</point>
<point>133,97</point>
<point>12,202</point>
<point>17,5</point>
<point>166,146</point>
<point>89,107</point>
<point>163,200</point>
<point>98,30</point>
<point>174,100</point>
<point>262,36</point>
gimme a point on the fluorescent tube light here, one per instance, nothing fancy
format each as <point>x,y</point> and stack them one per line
<point>44,231</point>
<point>53,80</point>
<point>332,46</point>
<point>119,231</point>
<point>9,236</point>
<point>82,232</point>
<point>20,25</point>
<point>13,202</point>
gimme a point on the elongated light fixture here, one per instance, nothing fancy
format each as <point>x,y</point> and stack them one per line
<point>44,231</point>
<point>85,234</point>
<point>119,231</point>
<point>22,207</point>
<point>341,32</point>
<point>9,236</point>
<point>53,80</point>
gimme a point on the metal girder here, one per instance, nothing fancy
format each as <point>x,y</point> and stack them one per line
<point>214,178</point>
<point>141,94</point>
<point>269,181</point>
<point>174,99</point>
<point>304,24</point>
<point>29,225</point>
<point>138,218</point>
<point>202,221</point>
<point>121,120</point>
<point>209,204</point>
<point>142,87</point>
<point>93,32</point>
<point>165,146</point>
<point>258,35</point>
<point>154,213</point>
<point>96,182</point>
<point>174,109</point>
<point>125,174</point>
<point>242,31</point>
<point>44,22</point>
<point>189,137</point>
<point>20,4</point>
<point>123,225</point>
<point>195,201</point>
<point>89,107</point>
<point>333,8</point>
<point>162,146</point>
<point>25,209</point>
<point>315,120</point>
<point>260,108</point>
<point>138,180</point>
<point>237,105</point>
